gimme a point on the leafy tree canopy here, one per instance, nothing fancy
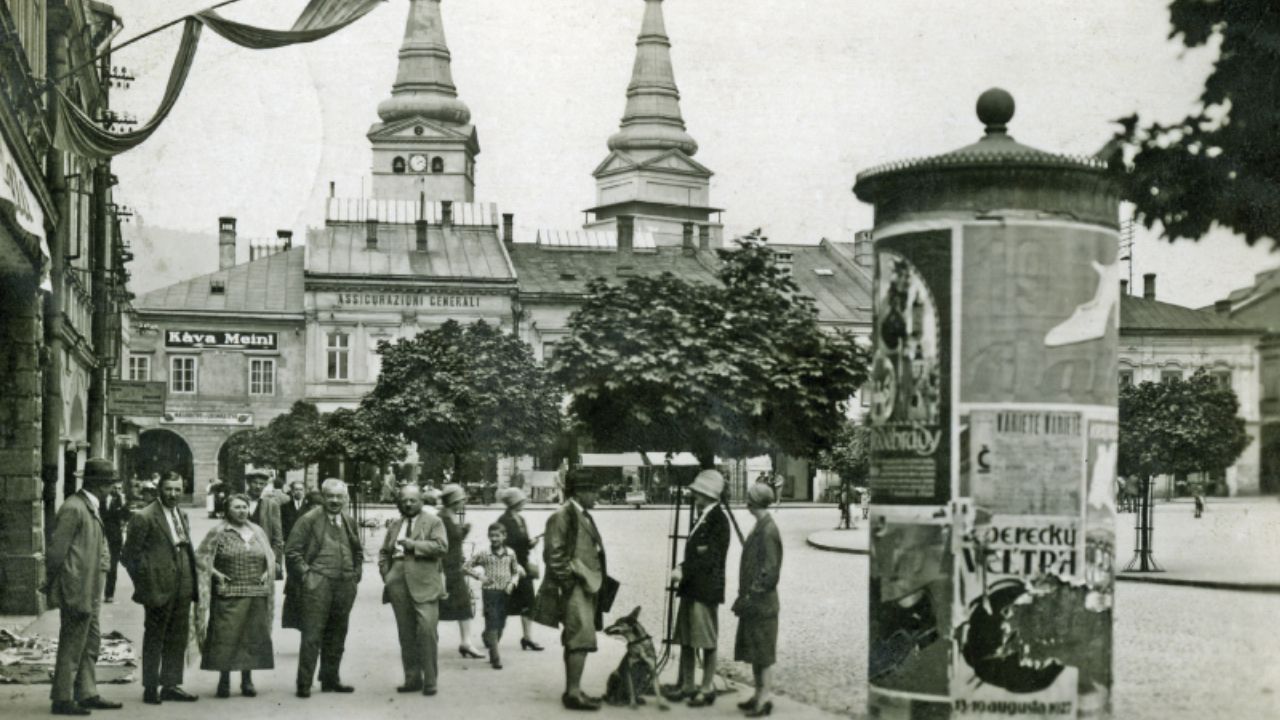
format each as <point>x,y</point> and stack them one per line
<point>1179,426</point>
<point>284,443</point>
<point>461,389</point>
<point>849,456</point>
<point>736,368</point>
<point>358,436</point>
<point>1222,163</point>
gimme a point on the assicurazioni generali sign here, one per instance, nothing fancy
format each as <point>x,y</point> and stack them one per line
<point>220,339</point>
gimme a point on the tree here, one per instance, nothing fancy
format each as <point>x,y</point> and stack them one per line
<point>284,444</point>
<point>734,368</point>
<point>1220,164</point>
<point>357,436</point>
<point>1175,427</point>
<point>465,389</point>
<point>849,457</point>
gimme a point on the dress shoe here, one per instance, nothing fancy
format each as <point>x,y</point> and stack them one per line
<point>467,652</point>
<point>97,703</point>
<point>303,692</point>
<point>337,687</point>
<point>151,696</point>
<point>527,644</point>
<point>177,694</point>
<point>750,704</point>
<point>429,691</point>
<point>68,707</point>
<point>224,688</point>
<point>702,699</point>
<point>763,710</point>
<point>409,687</point>
<point>675,693</point>
<point>578,702</point>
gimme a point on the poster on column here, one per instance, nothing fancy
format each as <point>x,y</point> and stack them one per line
<point>1026,462</point>
<point>910,373</point>
<point>1039,315</point>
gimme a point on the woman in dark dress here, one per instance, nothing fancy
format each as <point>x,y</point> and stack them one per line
<point>757,603</point>
<point>237,585</point>
<point>520,602</point>
<point>457,603</point>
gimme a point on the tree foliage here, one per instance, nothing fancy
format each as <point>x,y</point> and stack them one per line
<point>737,368</point>
<point>358,436</point>
<point>465,389</point>
<point>1179,426</point>
<point>285,443</point>
<point>1221,163</point>
<point>849,457</point>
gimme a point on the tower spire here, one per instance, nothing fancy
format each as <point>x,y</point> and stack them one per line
<point>424,80</point>
<point>652,121</point>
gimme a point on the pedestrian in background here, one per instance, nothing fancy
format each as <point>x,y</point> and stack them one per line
<point>325,554</point>
<point>115,516</point>
<point>844,498</point>
<point>293,507</point>
<point>521,600</point>
<point>700,585</point>
<point>457,604</point>
<point>757,605</point>
<point>162,564</point>
<point>237,575</point>
<point>501,574</point>
<point>75,571</point>
<point>410,564</point>
<point>264,512</point>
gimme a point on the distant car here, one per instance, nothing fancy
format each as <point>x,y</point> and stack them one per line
<point>637,498</point>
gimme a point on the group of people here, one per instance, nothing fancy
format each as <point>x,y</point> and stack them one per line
<point>229,576</point>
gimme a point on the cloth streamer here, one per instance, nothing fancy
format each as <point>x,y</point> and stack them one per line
<point>79,133</point>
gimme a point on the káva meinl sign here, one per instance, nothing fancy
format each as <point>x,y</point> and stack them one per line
<point>220,339</point>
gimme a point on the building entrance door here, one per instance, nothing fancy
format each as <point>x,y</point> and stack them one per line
<point>164,451</point>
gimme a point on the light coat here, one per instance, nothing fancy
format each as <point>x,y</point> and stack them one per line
<point>422,565</point>
<point>569,553</point>
<point>77,559</point>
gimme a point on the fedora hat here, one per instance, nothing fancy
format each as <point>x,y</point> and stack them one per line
<point>513,497</point>
<point>708,483</point>
<point>98,470</point>
<point>452,494</point>
<point>581,480</point>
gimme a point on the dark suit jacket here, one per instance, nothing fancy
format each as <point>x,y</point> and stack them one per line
<point>571,558</point>
<point>702,572</point>
<point>422,567</point>
<point>152,559</point>
<point>267,517</point>
<point>305,542</point>
<point>517,537</point>
<point>289,516</point>
<point>115,517</point>
<point>76,560</point>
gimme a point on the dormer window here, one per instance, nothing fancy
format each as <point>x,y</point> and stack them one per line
<point>437,164</point>
<point>397,165</point>
<point>217,287</point>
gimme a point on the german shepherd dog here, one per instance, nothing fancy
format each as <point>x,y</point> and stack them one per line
<point>637,674</point>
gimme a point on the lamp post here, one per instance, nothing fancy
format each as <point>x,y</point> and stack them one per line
<point>993,430</point>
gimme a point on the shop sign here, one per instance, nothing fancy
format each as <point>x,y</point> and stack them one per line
<point>220,339</point>
<point>136,398</point>
<point>15,192</point>
<point>189,417</point>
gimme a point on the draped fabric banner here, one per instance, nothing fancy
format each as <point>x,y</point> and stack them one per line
<point>79,133</point>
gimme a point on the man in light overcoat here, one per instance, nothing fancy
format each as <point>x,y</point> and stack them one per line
<point>410,564</point>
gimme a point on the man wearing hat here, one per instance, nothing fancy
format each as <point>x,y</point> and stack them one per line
<point>699,583</point>
<point>575,561</point>
<point>76,570</point>
<point>160,558</point>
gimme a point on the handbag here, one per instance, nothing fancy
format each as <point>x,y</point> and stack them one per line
<point>607,594</point>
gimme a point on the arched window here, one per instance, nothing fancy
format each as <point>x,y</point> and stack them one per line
<point>397,165</point>
<point>437,164</point>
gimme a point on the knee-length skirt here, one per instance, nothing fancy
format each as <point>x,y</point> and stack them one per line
<point>520,602</point>
<point>239,635</point>
<point>458,604</point>
<point>757,640</point>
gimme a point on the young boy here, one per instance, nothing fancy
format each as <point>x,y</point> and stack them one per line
<point>501,573</point>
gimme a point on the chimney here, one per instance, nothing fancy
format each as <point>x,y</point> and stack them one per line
<point>420,228</point>
<point>863,249</point>
<point>446,213</point>
<point>1124,287</point>
<point>330,188</point>
<point>226,242</point>
<point>371,233</point>
<point>704,237</point>
<point>1149,286</point>
<point>1222,307</point>
<point>626,233</point>
<point>687,244</point>
<point>285,238</point>
<point>508,224</point>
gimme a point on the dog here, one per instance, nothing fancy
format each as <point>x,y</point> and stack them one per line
<point>637,674</point>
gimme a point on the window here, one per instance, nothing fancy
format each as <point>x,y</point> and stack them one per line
<point>397,164</point>
<point>139,367</point>
<point>339,356</point>
<point>548,352</point>
<point>1126,378</point>
<point>1222,378</point>
<point>437,164</point>
<point>182,374</point>
<point>262,376</point>
<point>1170,375</point>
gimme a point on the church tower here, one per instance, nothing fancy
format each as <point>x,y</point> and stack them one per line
<point>650,172</point>
<point>425,143</point>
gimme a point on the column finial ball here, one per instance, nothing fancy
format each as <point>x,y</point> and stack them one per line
<point>995,109</point>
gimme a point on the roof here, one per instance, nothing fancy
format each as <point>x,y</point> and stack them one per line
<point>564,271</point>
<point>463,252</point>
<point>267,285</point>
<point>844,295</point>
<point>1140,316</point>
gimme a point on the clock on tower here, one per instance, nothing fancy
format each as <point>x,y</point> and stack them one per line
<point>418,163</point>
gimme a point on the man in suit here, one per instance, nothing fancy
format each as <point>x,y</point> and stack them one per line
<point>159,557</point>
<point>115,516</point>
<point>410,564</point>
<point>574,557</point>
<point>325,554</point>
<point>265,513</point>
<point>75,567</point>
<point>294,507</point>
<point>699,583</point>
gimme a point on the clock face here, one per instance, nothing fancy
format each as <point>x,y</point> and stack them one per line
<point>417,163</point>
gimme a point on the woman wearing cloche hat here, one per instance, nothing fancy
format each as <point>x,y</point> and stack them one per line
<point>521,600</point>
<point>457,603</point>
<point>757,603</point>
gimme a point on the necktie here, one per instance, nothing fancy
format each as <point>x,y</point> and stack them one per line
<point>177,527</point>
<point>336,522</point>
<point>408,528</point>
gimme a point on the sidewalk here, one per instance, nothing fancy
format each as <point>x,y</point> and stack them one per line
<point>529,685</point>
<point>1234,546</point>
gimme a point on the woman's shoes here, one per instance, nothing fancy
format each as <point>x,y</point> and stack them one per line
<point>527,644</point>
<point>762,710</point>
<point>248,690</point>
<point>702,699</point>
<point>750,704</point>
<point>675,693</point>
<point>224,687</point>
<point>467,652</point>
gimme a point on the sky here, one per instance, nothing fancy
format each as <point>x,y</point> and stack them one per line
<point>787,100</point>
